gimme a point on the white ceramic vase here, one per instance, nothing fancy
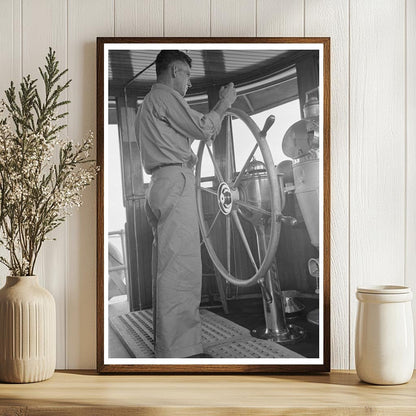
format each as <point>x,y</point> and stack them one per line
<point>384,341</point>
<point>27,331</point>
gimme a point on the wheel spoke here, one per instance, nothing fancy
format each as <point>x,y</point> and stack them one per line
<point>217,169</point>
<point>229,140</point>
<point>240,175</point>
<point>228,238</point>
<point>213,223</point>
<point>252,207</point>
<point>208,190</point>
<point>210,228</point>
<point>244,238</point>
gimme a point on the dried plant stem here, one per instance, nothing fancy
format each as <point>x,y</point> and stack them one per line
<point>36,194</point>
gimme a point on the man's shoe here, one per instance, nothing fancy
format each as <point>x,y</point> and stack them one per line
<point>201,355</point>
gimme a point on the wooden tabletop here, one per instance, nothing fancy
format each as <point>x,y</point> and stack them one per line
<point>86,393</point>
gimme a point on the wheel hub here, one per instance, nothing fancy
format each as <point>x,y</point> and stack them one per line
<point>225,198</point>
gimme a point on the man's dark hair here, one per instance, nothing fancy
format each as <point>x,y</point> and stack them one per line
<point>166,57</point>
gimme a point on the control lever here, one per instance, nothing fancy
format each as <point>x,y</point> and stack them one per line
<point>267,296</point>
<point>268,123</point>
<point>287,219</point>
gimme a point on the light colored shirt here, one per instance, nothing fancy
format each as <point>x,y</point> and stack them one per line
<point>166,126</point>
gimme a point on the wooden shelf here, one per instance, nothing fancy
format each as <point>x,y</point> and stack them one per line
<point>86,393</point>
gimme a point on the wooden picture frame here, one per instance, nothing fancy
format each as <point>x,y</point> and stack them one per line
<point>269,73</point>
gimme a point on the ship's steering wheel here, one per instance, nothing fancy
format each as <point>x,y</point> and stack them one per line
<point>232,203</point>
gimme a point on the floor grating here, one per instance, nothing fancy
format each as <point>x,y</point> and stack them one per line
<point>221,338</point>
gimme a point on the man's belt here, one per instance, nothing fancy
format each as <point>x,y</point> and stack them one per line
<point>166,165</point>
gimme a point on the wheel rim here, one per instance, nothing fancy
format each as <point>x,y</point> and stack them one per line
<point>231,204</point>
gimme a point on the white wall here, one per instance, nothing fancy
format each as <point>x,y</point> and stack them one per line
<point>373,125</point>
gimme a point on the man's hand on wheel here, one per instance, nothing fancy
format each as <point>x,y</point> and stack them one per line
<point>228,93</point>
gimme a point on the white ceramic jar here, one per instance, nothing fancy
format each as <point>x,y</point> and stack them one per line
<point>384,338</point>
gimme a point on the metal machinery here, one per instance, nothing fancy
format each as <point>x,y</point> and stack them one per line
<point>251,198</point>
<point>301,144</point>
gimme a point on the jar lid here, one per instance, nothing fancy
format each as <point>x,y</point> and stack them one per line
<point>384,289</point>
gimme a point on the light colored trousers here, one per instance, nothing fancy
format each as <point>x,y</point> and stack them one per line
<point>176,262</point>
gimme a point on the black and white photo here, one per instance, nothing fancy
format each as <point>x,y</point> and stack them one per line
<point>213,210</point>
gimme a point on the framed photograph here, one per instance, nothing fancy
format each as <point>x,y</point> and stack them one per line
<point>213,204</point>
